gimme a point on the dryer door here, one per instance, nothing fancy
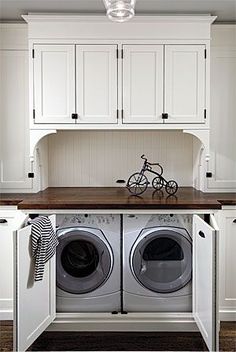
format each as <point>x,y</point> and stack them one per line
<point>84,260</point>
<point>161,259</point>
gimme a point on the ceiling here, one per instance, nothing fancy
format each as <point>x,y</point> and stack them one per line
<point>11,10</point>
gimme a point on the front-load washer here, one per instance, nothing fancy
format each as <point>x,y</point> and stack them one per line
<point>157,263</point>
<point>88,263</point>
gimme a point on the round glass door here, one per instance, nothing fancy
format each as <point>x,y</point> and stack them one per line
<point>162,260</point>
<point>84,261</point>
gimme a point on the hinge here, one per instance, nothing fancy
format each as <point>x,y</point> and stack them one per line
<point>117,114</point>
<point>30,175</point>
<point>117,53</point>
<point>122,53</point>
<point>34,114</point>
<point>205,114</point>
<point>205,53</point>
<point>32,53</point>
<point>122,114</point>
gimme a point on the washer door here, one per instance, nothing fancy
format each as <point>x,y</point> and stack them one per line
<point>161,260</point>
<point>84,260</point>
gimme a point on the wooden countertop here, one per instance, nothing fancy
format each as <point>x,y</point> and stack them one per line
<point>116,198</point>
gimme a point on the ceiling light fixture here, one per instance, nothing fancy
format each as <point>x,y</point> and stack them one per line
<point>120,10</point>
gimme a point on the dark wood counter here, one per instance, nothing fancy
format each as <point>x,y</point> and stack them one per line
<point>116,198</point>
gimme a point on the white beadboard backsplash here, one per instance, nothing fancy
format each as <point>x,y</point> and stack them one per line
<point>99,158</point>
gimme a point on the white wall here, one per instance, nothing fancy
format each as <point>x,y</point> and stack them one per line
<point>99,158</point>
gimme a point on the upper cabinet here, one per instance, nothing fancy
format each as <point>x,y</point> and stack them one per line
<point>185,83</point>
<point>152,72</point>
<point>54,83</point>
<point>96,83</point>
<point>75,84</point>
<point>79,83</point>
<point>142,83</point>
<point>164,83</point>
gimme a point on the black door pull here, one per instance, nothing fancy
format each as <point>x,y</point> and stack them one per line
<point>164,116</point>
<point>201,234</point>
<point>3,221</point>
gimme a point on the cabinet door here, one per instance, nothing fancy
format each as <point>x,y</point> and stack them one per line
<point>14,120</point>
<point>185,83</point>
<point>54,83</point>
<point>223,129</point>
<point>34,302</point>
<point>227,265</point>
<point>96,83</point>
<point>142,83</point>
<point>205,278</point>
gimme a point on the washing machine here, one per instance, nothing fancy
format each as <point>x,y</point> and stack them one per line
<point>157,263</point>
<point>88,263</point>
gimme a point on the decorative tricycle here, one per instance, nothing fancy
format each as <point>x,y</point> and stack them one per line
<point>138,182</point>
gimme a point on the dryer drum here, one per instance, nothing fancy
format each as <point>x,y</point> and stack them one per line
<point>84,261</point>
<point>161,261</point>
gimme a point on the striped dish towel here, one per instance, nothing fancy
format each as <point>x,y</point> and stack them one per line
<point>43,244</point>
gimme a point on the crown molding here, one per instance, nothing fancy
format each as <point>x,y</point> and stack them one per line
<point>49,17</point>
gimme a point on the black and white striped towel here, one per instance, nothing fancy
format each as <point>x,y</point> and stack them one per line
<point>43,243</point>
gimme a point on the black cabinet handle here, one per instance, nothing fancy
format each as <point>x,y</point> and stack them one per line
<point>74,116</point>
<point>201,234</point>
<point>164,116</point>
<point>3,221</point>
<point>234,221</point>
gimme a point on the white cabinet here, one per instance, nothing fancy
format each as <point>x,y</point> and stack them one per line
<point>29,294</point>
<point>75,83</point>
<point>222,162</point>
<point>14,123</point>
<point>83,80</point>
<point>205,300</point>
<point>185,83</point>
<point>35,302</point>
<point>175,86</point>
<point>9,221</point>
<point>142,83</point>
<point>96,83</point>
<point>54,83</point>
<point>227,223</point>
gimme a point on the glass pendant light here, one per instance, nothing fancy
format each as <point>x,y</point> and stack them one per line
<point>120,10</point>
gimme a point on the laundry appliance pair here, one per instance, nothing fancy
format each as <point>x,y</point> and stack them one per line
<point>124,263</point>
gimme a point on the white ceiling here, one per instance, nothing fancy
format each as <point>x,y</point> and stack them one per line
<point>11,10</point>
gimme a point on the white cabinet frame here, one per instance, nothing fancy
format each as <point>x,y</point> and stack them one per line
<point>205,281</point>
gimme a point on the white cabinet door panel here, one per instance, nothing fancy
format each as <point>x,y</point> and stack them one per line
<point>54,83</point>
<point>96,83</point>
<point>185,83</point>
<point>227,265</point>
<point>143,83</point>
<point>14,120</point>
<point>205,302</point>
<point>35,302</point>
<point>223,127</point>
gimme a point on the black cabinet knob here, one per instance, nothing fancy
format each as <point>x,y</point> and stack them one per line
<point>234,221</point>
<point>201,234</point>
<point>3,221</point>
<point>164,116</point>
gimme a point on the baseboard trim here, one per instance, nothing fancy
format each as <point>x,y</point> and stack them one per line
<point>182,322</point>
<point>6,314</point>
<point>228,315</point>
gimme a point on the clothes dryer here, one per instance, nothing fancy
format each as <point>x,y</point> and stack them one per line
<point>157,263</point>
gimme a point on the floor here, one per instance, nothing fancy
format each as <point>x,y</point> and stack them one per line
<point>74,341</point>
